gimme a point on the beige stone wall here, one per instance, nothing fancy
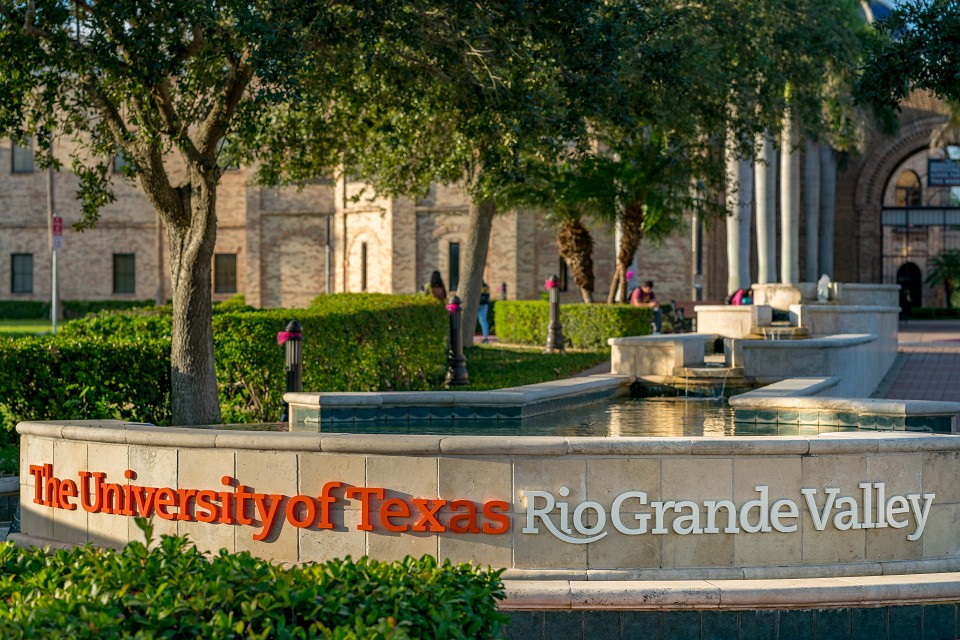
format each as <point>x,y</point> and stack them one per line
<point>597,471</point>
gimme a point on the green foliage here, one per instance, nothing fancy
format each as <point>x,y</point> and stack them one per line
<point>352,342</point>
<point>24,328</point>
<point>79,308</point>
<point>585,326</point>
<point>64,377</point>
<point>174,591</point>
<point>945,270</point>
<point>24,310</point>
<point>930,313</point>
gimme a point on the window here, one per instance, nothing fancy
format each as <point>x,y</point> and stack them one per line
<point>124,273</point>
<point>225,273</point>
<point>119,162</point>
<point>23,158</point>
<point>363,266</point>
<point>908,190</point>
<point>21,273</point>
<point>562,274</point>
<point>454,264</point>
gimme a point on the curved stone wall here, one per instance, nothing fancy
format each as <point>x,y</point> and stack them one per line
<point>543,507</point>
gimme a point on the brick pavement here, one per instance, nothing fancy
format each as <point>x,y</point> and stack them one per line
<point>928,367</point>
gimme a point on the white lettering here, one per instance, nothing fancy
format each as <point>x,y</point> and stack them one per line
<point>712,507</point>
<point>687,523</point>
<point>617,507</point>
<point>778,512</point>
<point>920,514</point>
<point>762,505</point>
<point>848,518</point>
<point>819,517</point>
<point>893,511</point>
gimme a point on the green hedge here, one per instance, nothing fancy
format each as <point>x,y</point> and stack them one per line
<point>174,591</point>
<point>352,342</point>
<point>67,378</point>
<point>929,313</point>
<point>584,326</point>
<point>24,310</point>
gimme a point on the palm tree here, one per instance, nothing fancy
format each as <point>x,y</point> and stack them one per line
<point>945,269</point>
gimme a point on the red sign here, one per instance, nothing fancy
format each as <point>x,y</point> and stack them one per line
<point>57,232</point>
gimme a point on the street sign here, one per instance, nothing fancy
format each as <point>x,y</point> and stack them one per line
<point>943,173</point>
<point>57,232</point>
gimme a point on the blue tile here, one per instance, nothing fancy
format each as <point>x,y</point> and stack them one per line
<point>563,624</point>
<point>396,413</point>
<point>904,622</point>
<point>418,413</point>
<point>745,415</point>
<point>681,625</point>
<point>337,415</point>
<point>745,428</point>
<point>485,413</point>
<point>601,625</point>
<point>766,416</point>
<point>641,625</point>
<point>524,625</point>
<point>869,624</point>
<point>809,430</point>
<point>718,625</point>
<point>508,412</point>
<point>832,624</point>
<point>809,417</point>
<point>828,418</point>
<point>788,416</point>
<point>464,413</point>
<point>941,424</point>
<point>366,414</point>
<point>867,421</point>
<point>768,429</point>
<point>796,625</point>
<point>788,429</point>
<point>848,419</point>
<point>939,621</point>
<point>441,413</point>
<point>758,624</point>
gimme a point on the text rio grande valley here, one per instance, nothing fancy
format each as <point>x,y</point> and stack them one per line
<point>632,514</point>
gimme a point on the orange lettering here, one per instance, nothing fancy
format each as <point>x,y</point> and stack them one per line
<point>166,497</point>
<point>364,493</point>
<point>37,472</point>
<point>494,510</point>
<point>387,512</point>
<point>68,489</point>
<point>310,508</point>
<point>429,515</point>
<point>469,518</point>
<point>206,500</point>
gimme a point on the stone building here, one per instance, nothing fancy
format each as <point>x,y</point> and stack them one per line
<point>282,247</point>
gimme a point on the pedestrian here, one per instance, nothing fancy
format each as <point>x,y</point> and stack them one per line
<point>435,287</point>
<point>645,297</point>
<point>482,312</point>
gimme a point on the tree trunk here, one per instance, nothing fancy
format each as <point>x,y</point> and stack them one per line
<point>631,230</point>
<point>790,202</point>
<point>811,196</point>
<point>195,399</point>
<point>576,247</point>
<point>479,222</point>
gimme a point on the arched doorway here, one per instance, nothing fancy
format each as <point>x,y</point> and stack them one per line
<point>911,287</point>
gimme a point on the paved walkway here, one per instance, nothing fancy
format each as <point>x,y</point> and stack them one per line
<point>928,367</point>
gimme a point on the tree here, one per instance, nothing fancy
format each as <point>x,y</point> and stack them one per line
<point>945,270</point>
<point>916,46</point>
<point>184,89</point>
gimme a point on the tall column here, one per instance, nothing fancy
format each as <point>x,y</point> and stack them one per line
<point>811,196</point>
<point>828,200</point>
<point>765,175</point>
<point>789,202</point>
<point>739,189</point>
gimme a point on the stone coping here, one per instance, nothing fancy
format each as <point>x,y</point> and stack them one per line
<point>527,394</point>
<point>119,432</point>
<point>802,593</point>
<point>668,338</point>
<point>789,388</point>
<point>825,342</point>
<point>824,307</point>
<point>768,398</point>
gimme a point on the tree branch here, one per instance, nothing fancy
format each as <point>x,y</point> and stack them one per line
<point>213,127</point>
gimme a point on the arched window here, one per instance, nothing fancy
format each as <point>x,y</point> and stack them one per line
<point>908,190</point>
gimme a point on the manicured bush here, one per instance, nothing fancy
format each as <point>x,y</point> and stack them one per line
<point>24,310</point>
<point>930,313</point>
<point>584,326</point>
<point>352,342</point>
<point>73,309</point>
<point>174,591</point>
<point>64,377</point>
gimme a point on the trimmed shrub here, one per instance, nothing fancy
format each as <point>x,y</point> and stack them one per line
<point>24,310</point>
<point>68,378</point>
<point>73,309</point>
<point>930,313</point>
<point>585,326</point>
<point>175,591</point>
<point>352,342</point>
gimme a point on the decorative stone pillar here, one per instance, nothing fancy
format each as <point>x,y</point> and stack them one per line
<point>739,204</point>
<point>811,196</point>
<point>828,201</point>
<point>789,202</point>
<point>765,174</point>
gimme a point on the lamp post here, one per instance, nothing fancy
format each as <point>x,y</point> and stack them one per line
<point>554,329</point>
<point>456,361</point>
<point>292,339</point>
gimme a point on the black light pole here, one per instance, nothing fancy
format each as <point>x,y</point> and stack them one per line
<point>554,329</point>
<point>456,362</point>
<point>292,339</point>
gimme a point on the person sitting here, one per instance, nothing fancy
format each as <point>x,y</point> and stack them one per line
<point>741,296</point>
<point>645,297</point>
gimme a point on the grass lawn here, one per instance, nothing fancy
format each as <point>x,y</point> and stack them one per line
<point>23,328</point>
<point>495,367</point>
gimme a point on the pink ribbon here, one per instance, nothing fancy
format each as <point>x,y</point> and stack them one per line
<point>283,336</point>
<point>452,307</point>
<point>549,283</point>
